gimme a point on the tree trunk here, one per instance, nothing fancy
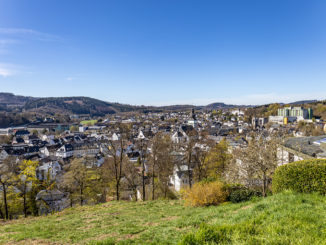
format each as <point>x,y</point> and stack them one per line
<point>264,185</point>
<point>71,201</point>
<point>153,181</point>
<point>24,201</point>
<point>25,206</point>
<point>135,193</point>
<point>143,175</point>
<point>189,177</point>
<point>81,196</point>
<point>117,190</point>
<point>189,171</point>
<point>5,200</point>
<point>1,214</point>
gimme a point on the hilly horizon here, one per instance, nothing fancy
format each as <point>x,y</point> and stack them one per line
<point>89,105</point>
<point>86,105</point>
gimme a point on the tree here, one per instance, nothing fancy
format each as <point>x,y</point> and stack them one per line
<point>117,157</point>
<point>188,149</point>
<point>201,153</point>
<point>165,164</point>
<point>160,159</point>
<point>258,161</point>
<point>8,176</point>
<point>141,160</point>
<point>218,159</point>
<point>78,177</point>
<point>132,176</point>
<point>210,159</point>
<point>26,180</point>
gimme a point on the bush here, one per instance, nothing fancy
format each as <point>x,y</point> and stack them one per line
<point>302,176</point>
<point>205,194</point>
<point>243,195</point>
<point>240,193</point>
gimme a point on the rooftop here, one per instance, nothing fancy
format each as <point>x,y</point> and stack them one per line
<point>313,146</point>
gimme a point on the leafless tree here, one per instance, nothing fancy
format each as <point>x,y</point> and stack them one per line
<point>8,176</point>
<point>165,162</point>
<point>258,161</point>
<point>132,176</point>
<point>117,157</point>
<point>78,178</point>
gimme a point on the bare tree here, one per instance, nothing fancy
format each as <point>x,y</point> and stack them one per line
<point>117,158</point>
<point>201,157</point>
<point>8,176</point>
<point>161,148</point>
<point>78,178</point>
<point>142,158</point>
<point>165,163</point>
<point>188,149</point>
<point>132,176</point>
<point>257,162</point>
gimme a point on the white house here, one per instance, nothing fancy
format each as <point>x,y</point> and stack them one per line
<point>65,151</point>
<point>47,168</point>
<point>3,155</point>
<point>180,178</point>
<point>179,137</point>
<point>237,112</point>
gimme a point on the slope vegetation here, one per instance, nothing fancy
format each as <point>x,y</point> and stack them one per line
<point>285,218</point>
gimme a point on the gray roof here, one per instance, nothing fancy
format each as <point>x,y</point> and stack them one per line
<point>307,145</point>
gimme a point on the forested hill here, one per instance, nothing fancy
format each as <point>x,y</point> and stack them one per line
<point>94,107</point>
<point>63,105</point>
<point>83,105</point>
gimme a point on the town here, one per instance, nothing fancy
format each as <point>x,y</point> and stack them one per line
<point>144,156</point>
<point>162,122</point>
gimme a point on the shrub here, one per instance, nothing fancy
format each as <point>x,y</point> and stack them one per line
<point>239,193</point>
<point>205,194</point>
<point>243,195</point>
<point>302,176</point>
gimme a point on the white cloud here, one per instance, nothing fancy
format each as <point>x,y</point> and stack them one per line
<point>29,33</point>
<point>250,99</point>
<point>5,43</point>
<point>70,78</point>
<point>7,70</point>
<point>266,98</point>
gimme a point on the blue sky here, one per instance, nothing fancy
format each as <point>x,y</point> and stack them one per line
<point>162,52</point>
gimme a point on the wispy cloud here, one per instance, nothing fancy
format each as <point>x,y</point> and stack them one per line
<point>249,99</point>
<point>7,70</point>
<point>29,33</point>
<point>70,78</point>
<point>5,43</point>
<point>266,98</point>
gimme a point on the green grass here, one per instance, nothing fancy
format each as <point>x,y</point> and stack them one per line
<point>88,122</point>
<point>285,218</point>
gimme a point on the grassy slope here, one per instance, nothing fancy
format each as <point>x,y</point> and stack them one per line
<point>285,218</point>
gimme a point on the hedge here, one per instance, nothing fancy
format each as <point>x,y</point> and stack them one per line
<point>302,176</point>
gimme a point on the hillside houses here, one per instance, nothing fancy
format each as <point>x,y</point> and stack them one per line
<point>189,131</point>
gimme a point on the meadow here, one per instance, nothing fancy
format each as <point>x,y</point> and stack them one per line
<point>285,218</point>
<point>88,122</point>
